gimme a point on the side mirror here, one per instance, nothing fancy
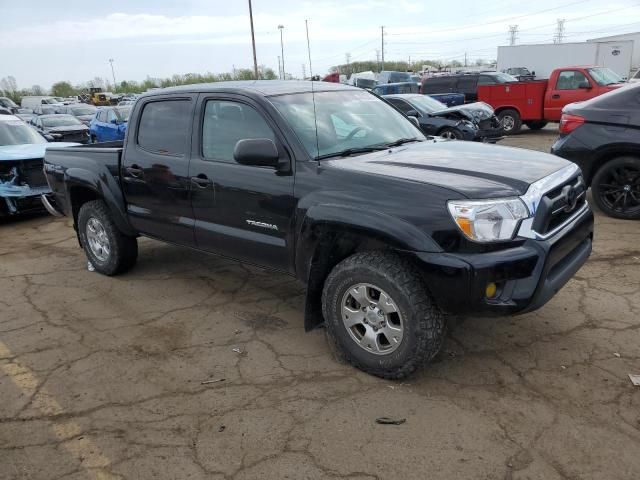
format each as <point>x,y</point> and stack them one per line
<point>533,73</point>
<point>259,152</point>
<point>48,137</point>
<point>114,121</point>
<point>415,121</point>
<point>412,113</point>
<point>584,86</point>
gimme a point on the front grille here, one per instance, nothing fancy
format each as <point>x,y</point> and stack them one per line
<point>31,172</point>
<point>559,205</point>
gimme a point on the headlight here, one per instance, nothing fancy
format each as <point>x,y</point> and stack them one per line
<point>488,220</point>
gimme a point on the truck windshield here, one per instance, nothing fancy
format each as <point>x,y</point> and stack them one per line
<point>504,77</point>
<point>346,121</point>
<point>604,76</point>
<point>16,132</point>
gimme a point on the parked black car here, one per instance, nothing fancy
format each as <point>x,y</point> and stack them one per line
<point>334,186</point>
<point>82,112</point>
<point>602,135</point>
<point>466,83</point>
<point>473,121</point>
<point>62,128</point>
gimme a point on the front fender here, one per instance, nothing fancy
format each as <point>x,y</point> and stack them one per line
<point>388,229</point>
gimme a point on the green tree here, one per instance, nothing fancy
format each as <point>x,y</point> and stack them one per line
<point>63,89</point>
<point>9,88</point>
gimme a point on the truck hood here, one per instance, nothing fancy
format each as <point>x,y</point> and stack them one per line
<point>474,170</point>
<point>475,112</point>
<point>28,151</point>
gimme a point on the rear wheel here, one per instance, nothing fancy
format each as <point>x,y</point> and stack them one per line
<point>616,188</point>
<point>109,250</point>
<point>380,316</point>
<point>510,120</point>
<point>536,125</point>
<point>451,133</point>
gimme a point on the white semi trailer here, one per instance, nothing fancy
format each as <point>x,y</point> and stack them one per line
<point>544,58</point>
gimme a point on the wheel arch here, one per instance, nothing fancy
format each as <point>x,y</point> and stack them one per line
<point>82,188</point>
<point>610,152</point>
<point>329,235</point>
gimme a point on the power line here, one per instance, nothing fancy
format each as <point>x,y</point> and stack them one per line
<point>517,17</point>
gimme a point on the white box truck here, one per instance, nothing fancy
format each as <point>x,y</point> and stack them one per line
<point>544,58</point>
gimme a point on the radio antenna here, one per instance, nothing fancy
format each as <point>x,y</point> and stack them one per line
<point>313,94</point>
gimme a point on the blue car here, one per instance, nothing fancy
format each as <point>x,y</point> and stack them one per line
<point>22,180</point>
<point>109,124</point>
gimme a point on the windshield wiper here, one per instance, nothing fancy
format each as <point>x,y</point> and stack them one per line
<point>402,141</point>
<point>351,151</point>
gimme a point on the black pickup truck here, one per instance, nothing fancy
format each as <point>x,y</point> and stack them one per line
<point>387,228</point>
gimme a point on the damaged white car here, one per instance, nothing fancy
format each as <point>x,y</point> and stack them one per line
<point>22,180</point>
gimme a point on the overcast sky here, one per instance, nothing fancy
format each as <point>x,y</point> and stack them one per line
<point>44,41</point>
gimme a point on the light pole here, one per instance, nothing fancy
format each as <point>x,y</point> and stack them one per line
<point>253,42</point>
<point>113,74</point>
<point>281,27</point>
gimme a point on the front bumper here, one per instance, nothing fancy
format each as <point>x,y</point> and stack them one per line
<point>16,199</point>
<point>528,276</point>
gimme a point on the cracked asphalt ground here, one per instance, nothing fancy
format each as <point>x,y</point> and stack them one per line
<point>101,378</point>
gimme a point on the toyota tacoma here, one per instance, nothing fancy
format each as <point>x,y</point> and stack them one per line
<point>388,228</point>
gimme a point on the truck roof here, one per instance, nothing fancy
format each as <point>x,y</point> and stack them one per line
<point>262,87</point>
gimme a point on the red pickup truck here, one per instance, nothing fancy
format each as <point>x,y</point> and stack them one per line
<point>537,102</point>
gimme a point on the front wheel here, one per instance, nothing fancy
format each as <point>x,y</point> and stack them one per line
<point>510,120</point>
<point>109,250</point>
<point>451,134</point>
<point>616,188</point>
<point>380,316</point>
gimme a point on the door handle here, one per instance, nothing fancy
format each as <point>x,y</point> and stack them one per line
<point>135,171</point>
<point>201,180</point>
<point>555,95</point>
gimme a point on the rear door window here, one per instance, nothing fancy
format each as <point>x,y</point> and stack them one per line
<point>467,84</point>
<point>164,126</point>
<point>439,85</point>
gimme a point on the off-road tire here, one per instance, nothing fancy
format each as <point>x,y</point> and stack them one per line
<point>424,323</point>
<point>603,176</point>
<point>123,249</point>
<point>512,126</point>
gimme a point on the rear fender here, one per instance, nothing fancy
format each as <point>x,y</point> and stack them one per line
<point>105,188</point>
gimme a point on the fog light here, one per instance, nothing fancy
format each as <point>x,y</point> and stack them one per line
<point>491,290</point>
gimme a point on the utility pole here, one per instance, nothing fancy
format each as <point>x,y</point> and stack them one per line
<point>304,71</point>
<point>279,68</point>
<point>513,34</point>
<point>559,36</point>
<point>465,59</point>
<point>113,74</point>
<point>253,43</point>
<point>347,57</point>
<point>281,28</point>
<point>378,59</point>
<point>382,45</point>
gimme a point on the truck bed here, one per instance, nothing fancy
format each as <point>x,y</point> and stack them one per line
<point>67,168</point>
<point>526,97</point>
